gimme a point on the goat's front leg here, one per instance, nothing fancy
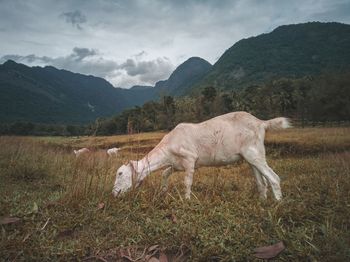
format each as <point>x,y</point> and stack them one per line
<point>165,176</point>
<point>189,169</point>
<point>188,182</point>
<point>188,163</point>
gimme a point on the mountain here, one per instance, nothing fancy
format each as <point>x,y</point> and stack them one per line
<point>138,87</point>
<point>288,51</point>
<point>185,75</point>
<point>49,95</point>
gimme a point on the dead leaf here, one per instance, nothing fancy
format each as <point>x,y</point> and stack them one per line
<point>9,220</point>
<point>163,257</point>
<point>267,252</point>
<point>172,218</point>
<point>100,206</point>
<point>66,233</point>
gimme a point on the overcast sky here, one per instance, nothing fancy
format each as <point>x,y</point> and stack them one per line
<point>131,42</point>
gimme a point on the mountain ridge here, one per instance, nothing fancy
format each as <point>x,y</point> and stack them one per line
<point>51,95</point>
<point>292,50</point>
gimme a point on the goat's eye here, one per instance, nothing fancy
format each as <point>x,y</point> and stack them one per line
<point>120,173</point>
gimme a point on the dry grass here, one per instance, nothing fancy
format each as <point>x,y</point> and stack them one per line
<point>57,196</point>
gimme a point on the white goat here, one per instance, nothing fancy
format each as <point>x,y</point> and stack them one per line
<point>82,151</point>
<point>113,151</point>
<point>218,141</point>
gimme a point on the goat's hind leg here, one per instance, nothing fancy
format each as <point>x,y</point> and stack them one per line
<point>258,160</point>
<point>260,182</point>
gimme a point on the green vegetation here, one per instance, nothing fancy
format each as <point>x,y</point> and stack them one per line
<point>311,53</point>
<point>49,95</point>
<point>288,51</point>
<point>307,100</point>
<point>67,212</point>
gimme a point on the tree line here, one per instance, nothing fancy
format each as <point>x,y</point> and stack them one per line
<point>307,100</point>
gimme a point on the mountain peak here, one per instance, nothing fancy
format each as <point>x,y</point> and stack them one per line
<point>185,75</point>
<point>9,62</point>
<point>12,64</point>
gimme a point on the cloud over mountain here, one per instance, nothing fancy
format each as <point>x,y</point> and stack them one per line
<point>133,71</point>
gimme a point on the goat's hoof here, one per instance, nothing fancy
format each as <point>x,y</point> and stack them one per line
<point>279,198</point>
<point>263,197</point>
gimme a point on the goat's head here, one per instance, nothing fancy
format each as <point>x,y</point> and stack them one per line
<point>126,177</point>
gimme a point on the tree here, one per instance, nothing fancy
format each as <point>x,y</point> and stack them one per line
<point>169,109</point>
<point>209,93</point>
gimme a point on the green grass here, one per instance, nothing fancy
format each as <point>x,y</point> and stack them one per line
<point>57,197</point>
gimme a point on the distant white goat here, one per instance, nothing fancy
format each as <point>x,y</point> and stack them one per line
<point>113,151</point>
<point>219,141</point>
<point>82,151</point>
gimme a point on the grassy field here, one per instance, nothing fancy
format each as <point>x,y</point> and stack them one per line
<point>67,212</point>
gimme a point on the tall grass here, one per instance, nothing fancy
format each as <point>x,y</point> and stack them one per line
<point>42,182</point>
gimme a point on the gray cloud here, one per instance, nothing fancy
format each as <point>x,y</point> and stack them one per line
<point>28,59</point>
<point>89,61</point>
<point>76,18</point>
<point>81,53</point>
<point>339,10</point>
<point>148,71</point>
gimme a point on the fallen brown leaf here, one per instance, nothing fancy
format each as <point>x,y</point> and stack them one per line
<point>267,252</point>
<point>172,218</point>
<point>9,220</point>
<point>66,233</point>
<point>100,206</point>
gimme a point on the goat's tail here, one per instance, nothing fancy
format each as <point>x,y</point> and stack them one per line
<point>277,123</point>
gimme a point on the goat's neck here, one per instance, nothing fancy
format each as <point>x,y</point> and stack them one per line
<point>153,161</point>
